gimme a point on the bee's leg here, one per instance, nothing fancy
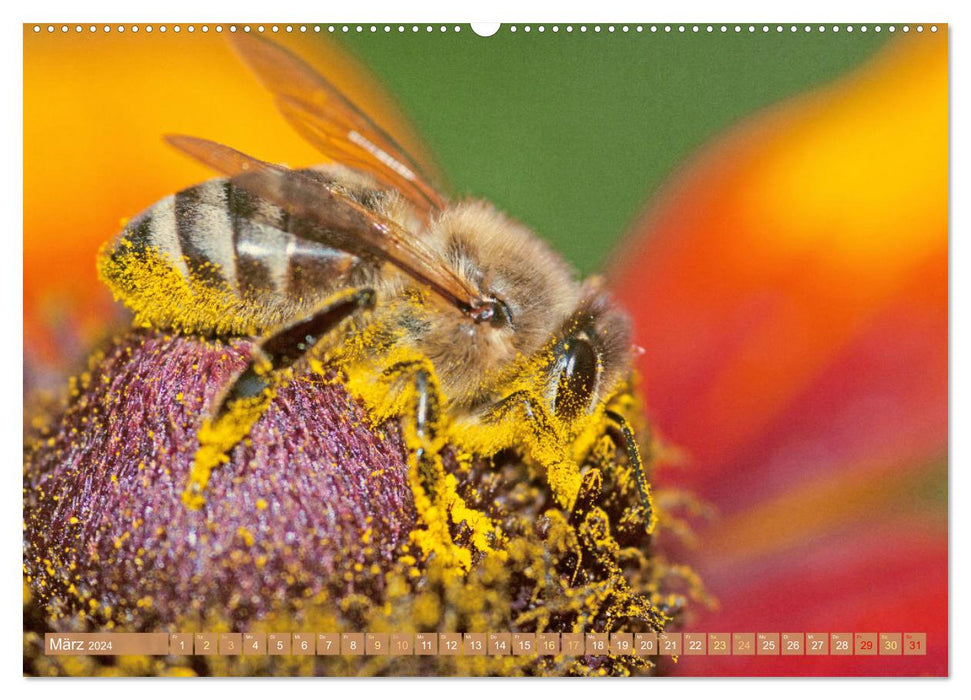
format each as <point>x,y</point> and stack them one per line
<point>537,416</point>
<point>546,441</point>
<point>427,410</point>
<point>437,501</point>
<point>436,497</point>
<point>242,404</point>
<point>619,422</point>
<point>421,433</point>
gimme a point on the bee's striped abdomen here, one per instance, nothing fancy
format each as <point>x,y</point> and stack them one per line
<point>156,229</point>
<point>215,258</point>
<point>204,229</point>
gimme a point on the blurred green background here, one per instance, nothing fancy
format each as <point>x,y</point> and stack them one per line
<point>572,132</point>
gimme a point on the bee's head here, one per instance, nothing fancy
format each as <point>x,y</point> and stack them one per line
<point>526,291</point>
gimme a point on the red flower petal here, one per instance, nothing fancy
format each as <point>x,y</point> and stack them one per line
<point>791,291</point>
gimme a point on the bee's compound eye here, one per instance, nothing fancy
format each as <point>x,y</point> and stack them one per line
<point>579,372</point>
<point>501,315</point>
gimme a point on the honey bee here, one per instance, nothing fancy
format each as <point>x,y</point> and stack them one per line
<point>366,262</point>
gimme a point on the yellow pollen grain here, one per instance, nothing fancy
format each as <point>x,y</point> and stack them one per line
<point>246,535</point>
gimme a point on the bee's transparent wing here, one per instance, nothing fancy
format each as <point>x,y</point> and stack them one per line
<point>337,221</point>
<point>348,148</point>
<point>333,124</point>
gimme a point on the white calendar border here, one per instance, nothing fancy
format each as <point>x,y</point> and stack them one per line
<point>509,11</point>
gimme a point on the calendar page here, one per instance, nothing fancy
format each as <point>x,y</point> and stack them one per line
<point>551,349</point>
